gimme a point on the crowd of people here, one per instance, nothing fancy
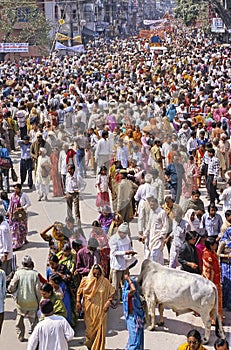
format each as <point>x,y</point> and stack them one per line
<point>154,131</point>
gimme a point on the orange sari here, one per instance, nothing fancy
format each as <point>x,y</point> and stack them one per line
<point>96,293</point>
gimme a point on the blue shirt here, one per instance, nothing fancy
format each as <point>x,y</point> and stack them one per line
<point>212,225</point>
<point>175,171</point>
<point>4,153</point>
<point>25,150</point>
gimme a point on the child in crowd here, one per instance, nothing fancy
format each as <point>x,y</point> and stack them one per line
<point>102,182</point>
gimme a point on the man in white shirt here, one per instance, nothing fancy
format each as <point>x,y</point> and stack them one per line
<point>52,333</point>
<point>6,251</point>
<point>62,165</point>
<point>156,231</point>
<point>74,185</point>
<point>121,256</point>
<point>192,143</point>
<point>103,151</point>
<point>145,189</point>
<point>166,148</point>
<point>81,115</point>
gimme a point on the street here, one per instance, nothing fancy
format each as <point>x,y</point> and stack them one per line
<point>41,215</point>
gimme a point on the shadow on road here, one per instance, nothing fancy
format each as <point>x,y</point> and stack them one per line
<point>32,245</point>
<point>32,213</point>
<point>30,233</point>
<point>10,315</point>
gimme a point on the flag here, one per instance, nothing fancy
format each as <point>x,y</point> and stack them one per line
<point>59,46</point>
<point>61,37</point>
<point>61,21</point>
<point>78,39</point>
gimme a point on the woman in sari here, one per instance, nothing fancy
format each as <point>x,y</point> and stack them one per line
<point>19,202</point>
<point>55,175</point>
<point>47,292</point>
<point>191,174</point>
<point>97,293</point>
<point>200,152</point>
<point>211,269</point>
<point>224,253</point>
<point>134,314</point>
<point>104,249</point>
<point>61,280</point>
<point>62,291</point>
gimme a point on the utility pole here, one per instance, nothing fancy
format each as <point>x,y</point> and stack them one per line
<point>78,17</point>
<point>61,22</point>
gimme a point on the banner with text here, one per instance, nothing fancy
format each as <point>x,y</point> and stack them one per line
<point>77,48</point>
<point>14,47</point>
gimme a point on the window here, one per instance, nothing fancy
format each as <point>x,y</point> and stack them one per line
<point>23,14</point>
<point>56,12</point>
<point>63,14</point>
<point>74,14</point>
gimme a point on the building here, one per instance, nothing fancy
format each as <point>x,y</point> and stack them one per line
<point>17,18</point>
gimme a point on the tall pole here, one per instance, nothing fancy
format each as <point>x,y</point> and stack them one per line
<point>78,17</point>
<point>61,22</point>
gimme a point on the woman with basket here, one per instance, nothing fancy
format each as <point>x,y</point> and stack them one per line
<point>18,221</point>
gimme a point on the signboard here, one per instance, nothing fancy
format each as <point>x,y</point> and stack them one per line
<point>154,22</point>
<point>14,47</point>
<point>217,25</point>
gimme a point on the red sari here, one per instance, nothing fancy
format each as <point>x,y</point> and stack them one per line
<point>55,175</point>
<point>211,270</point>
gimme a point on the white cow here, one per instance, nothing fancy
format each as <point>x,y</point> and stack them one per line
<point>182,292</point>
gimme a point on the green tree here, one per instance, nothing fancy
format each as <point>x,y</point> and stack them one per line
<point>189,10</point>
<point>23,21</point>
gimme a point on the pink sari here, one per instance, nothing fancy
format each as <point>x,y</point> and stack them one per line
<point>17,222</point>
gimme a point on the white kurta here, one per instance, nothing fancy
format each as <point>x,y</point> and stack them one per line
<point>118,247</point>
<point>52,333</point>
<point>42,183</point>
<point>5,240</point>
<point>226,197</point>
<point>157,230</point>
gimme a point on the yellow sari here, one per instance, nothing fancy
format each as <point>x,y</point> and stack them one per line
<point>96,293</point>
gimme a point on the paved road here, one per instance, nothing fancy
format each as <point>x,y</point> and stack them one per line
<point>42,214</point>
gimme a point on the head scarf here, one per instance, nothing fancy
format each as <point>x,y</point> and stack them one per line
<point>187,217</point>
<point>92,284</point>
<point>60,239</point>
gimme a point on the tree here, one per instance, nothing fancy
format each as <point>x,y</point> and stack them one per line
<point>188,10</point>
<point>23,21</point>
